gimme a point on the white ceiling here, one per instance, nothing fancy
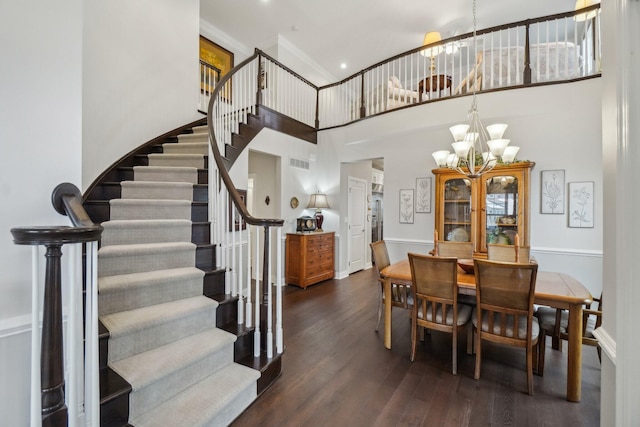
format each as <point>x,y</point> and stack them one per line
<point>361,33</point>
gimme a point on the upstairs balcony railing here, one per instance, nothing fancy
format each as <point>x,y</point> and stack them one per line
<point>552,49</point>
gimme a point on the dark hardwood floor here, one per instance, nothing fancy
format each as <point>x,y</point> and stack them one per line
<point>336,372</point>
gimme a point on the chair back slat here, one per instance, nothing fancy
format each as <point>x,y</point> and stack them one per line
<point>380,255</point>
<point>505,284</point>
<point>508,253</point>
<point>460,250</point>
<point>434,276</point>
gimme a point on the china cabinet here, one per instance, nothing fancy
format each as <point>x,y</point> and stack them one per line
<point>492,208</point>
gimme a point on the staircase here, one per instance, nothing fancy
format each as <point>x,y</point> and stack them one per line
<point>171,350</point>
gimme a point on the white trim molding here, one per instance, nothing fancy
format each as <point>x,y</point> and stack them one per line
<point>606,342</point>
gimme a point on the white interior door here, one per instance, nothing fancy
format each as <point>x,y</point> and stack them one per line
<point>357,224</point>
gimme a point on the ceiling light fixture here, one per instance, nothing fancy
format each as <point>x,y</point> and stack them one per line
<point>476,149</point>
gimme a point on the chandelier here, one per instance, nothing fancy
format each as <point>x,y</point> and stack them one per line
<point>476,149</point>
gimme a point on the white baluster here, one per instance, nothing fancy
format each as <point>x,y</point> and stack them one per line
<point>279,290</point>
<point>36,408</point>
<point>256,336</point>
<point>249,311</point>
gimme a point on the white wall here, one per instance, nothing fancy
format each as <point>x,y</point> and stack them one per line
<point>140,75</point>
<point>40,134</point>
<point>83,83</point>
<point>556,126</point>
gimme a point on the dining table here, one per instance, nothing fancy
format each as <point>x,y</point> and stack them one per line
<point>557,290</point>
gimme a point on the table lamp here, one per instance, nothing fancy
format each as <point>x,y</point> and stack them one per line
<point>318,202</point>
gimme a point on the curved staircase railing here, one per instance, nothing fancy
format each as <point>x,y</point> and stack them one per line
<point>62,396</point>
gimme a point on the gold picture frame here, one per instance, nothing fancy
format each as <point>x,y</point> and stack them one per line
<point>217,57</point>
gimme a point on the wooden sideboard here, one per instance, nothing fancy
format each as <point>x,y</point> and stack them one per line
<point>309,258</point>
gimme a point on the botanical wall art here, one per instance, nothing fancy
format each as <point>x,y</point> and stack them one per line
<point>406,206</point>
<point>552,194</point>
<point>423,195</point>
<point>581,204</point>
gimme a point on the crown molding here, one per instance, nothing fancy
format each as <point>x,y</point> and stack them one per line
<point>294,50</point>
<point>225,40</point>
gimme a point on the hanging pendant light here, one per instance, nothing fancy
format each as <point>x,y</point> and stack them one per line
<point>476,149</point>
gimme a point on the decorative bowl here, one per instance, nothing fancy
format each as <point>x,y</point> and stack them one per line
<point>466,265</point>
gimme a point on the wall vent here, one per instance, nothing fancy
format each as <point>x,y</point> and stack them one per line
<point>297,163</point>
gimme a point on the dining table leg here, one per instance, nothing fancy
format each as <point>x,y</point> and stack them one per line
<point>387,313</point>
<point>574,356</point>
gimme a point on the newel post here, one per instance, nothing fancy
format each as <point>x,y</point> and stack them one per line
<point>54,410</point>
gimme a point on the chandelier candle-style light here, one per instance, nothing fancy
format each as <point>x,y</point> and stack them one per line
<point>476,149</point>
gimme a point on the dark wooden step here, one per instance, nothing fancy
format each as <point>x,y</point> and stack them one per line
<point>270,369</point>
<point>201,233</point>
<point>243,347</point>
<point>114,399</point>
<point>227,311</point>
<point>206,257</point>
<point>213,282</point>
<point>282,123</point>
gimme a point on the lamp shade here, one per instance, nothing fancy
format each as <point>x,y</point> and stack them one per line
<point>497,146</point>
<point>509,154</point>
<point>430,38</point>
<point>496,131</point>
<point>458,132</point>
<point>441,157</point>
<point>318,201</point>
<point>581,4</point>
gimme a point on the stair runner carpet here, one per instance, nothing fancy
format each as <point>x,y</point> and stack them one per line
<point>163,337</point>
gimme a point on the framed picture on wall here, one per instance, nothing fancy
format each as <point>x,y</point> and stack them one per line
<point>581,204</point>
<point>234,216</point>
<point>552,192</point>
<point>218,58</point>
<point>423,195</point>
<point>406,206</point>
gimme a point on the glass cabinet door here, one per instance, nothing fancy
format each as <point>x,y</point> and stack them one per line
<point>501,209</point>
<point>457,210</point>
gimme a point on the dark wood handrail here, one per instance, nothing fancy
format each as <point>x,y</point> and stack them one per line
<point>224,174</point>
<point>466,36</point>
<point>284,67</point>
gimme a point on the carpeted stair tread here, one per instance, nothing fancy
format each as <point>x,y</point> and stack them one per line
<point>166,173</point>
<point>141,231</point>
<point>186,148</point>
<point>161,373</point>
<point>191,160</point>
<point>125,292</point>
<point>125,259</point>
<point>193,137</point>
<point>136,331</point>
<point>201,129</point>
<point>215,401</point>
<point>149,209</point>
<point>158,190</point>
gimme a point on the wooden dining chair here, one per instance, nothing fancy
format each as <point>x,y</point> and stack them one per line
<point>401,295</point>
<point>447,249</point>
<point>436,307</point>
<point>508,253</point>
<point>555,322</point>
<point>504,310</point>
